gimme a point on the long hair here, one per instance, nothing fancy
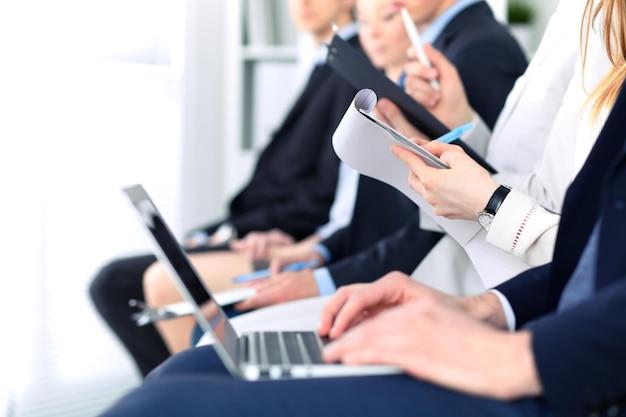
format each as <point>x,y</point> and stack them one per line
<point>611,16</point>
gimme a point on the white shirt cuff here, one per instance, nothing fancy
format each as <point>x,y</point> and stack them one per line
<point>508,310</point>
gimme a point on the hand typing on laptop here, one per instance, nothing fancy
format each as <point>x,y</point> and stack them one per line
<point>286,286</point>
<point>402,322</point>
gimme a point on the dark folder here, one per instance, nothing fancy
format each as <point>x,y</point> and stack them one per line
<point>355,68</point>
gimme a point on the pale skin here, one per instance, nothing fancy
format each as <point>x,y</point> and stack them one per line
<point>217,268</point>
<point>460,343</point>
<point>456,193</point>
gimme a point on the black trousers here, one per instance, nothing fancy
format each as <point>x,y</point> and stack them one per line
<point>111,289</point>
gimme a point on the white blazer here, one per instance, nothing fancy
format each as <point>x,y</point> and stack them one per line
<point>536,146</point>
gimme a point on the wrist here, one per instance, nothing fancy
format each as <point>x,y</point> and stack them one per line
<point>485,216</point>
<point>521,379</point>
<point>486,308</point>
<point>323,253</point>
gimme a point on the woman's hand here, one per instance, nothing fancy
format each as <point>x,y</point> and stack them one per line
<point>456,193</point>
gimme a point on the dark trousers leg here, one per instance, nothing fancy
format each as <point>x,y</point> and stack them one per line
<point>115,284</point>
<point>194,383</point>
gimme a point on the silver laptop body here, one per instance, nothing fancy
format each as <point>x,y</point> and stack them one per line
<point>253,355</point>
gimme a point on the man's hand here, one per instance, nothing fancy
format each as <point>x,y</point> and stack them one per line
<point>354,303</point>
<point>439,342</point>
<point>287,286</point>
<point>456,193</point>
<point>257,245</point>
<point>450,104</point>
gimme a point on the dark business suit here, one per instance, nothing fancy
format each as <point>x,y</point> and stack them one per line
<point>294,181</point>
<point>292,189</point>
<point>379,210</point>
<point>579,353</point>
<point>293,184</point>
<point>487,59</point>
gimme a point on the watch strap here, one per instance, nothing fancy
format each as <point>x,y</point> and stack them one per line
<point>496,199</point>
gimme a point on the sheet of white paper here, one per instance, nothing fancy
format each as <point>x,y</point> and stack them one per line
<point>223,298</point>
<point>366,147</point>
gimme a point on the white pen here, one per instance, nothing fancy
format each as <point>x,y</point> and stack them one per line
<point>414,36</point>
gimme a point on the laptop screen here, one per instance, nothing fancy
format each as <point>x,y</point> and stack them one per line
<point>209,314</point>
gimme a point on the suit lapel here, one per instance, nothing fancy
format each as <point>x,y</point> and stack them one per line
<point>583,199</point>
<point>316,80</point>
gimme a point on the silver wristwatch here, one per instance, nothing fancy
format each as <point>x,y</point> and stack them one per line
<point>486,216</point>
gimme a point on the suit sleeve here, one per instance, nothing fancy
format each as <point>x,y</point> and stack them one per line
<point>401,251</point>
<point>580,357</point>
<point>528,293</point>
<point>335,243</point>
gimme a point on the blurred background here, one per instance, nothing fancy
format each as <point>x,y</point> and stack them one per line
<point>96,95</point>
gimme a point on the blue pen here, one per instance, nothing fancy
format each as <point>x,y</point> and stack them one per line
<point>265,273</point>
<point>454,134</point>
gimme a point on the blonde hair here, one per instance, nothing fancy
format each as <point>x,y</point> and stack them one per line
<point>613,30</point>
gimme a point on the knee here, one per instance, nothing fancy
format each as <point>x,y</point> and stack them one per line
<point>104,282</point>
<point>158,287</point>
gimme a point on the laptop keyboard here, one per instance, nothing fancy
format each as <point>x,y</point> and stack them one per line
<point>280,348</point>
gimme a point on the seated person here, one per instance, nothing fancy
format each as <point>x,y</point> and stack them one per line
<point>548,342</point>
<point>382,32</point>
<point>294,198</point>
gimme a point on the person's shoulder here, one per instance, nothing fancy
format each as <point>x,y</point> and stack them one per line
<point>354,42</point>
<point>477,19</point>
<point>475,31</point>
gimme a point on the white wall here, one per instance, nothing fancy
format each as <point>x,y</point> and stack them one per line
<point>74,130</point>
<point>499,8</point>
<point>203,195</point>
<point>544,10</point>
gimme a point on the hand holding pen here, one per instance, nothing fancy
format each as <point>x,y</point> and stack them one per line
<point>416,42</point>
<point>449,104</point>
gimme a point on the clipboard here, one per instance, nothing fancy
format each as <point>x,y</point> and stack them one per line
<point>357,70</point>
<point>400,139</point>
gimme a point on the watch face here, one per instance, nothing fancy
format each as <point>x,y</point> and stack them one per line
<point>485,219</point>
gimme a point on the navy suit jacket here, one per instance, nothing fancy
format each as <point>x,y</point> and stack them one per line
<point>379,210</point>
<point>489,62</point>
<point>581,353</point>
<point>488,59</point>
<point>293,184</point>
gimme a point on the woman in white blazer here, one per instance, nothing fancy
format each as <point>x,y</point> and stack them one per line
<point>538,145</point>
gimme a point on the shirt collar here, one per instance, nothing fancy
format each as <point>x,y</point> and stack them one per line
<point>346,32</point>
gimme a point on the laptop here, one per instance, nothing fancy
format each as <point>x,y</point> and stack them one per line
<point>258,355</point>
